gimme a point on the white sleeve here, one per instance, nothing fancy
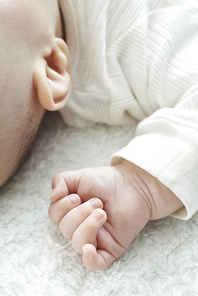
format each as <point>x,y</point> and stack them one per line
<point>166,142</point>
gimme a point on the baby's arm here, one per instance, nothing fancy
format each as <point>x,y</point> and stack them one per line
<point>103,209</point>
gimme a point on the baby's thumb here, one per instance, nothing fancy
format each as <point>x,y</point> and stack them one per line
<point>65,183</point>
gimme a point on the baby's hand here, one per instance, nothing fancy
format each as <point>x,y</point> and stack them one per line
<point>103,209</point>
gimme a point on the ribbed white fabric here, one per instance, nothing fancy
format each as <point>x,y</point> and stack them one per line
<point>138,60</point>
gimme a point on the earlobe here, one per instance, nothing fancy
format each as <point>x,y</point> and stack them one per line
<point>52,77</point>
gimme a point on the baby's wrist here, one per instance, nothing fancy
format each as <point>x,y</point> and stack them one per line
<point>161,200</point>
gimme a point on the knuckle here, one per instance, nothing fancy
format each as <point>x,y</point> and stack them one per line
<point>56,178</point>
<point>84,211</point>
<point>64,230</point>
<point>55,212</point>
<point>76,245</point>
<point>51,215</point>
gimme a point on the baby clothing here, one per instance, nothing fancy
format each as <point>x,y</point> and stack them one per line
<point>138,60</point>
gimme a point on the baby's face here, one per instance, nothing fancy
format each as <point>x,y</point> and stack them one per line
<point>20,116</point>
<point>21,29</point>
<point>19,122</point>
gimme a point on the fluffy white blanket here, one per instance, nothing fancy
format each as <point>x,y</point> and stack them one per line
<point>36,260</point>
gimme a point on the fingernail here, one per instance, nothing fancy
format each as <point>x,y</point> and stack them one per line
<point>96,203</point>
<point>85,252</point>
<point>98,214</point>
<point>52,193</point>
<point>74,199</point>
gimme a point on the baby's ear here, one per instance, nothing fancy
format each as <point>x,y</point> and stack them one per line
<point>52,77</point>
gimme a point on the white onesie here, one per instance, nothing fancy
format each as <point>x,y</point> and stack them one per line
<point>138,60</point>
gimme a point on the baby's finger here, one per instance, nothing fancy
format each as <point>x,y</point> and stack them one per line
<point>96,259</point>
<point>65,183</point>
<point>59,209</point>
<point>88,230</point>
<point>73,219</point>
<point>59,188</point>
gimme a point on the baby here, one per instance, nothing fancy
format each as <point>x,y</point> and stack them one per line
<point>130,60</point>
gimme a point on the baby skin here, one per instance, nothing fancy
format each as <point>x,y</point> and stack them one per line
<point>102,210</point>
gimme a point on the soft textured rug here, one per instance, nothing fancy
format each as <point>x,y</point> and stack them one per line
<point>36,260</point>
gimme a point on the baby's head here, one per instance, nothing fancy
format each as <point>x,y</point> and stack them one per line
<point>34,65</point>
